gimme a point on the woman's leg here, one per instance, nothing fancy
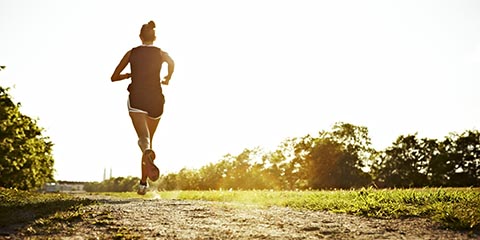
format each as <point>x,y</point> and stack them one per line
<point>139,121</point>
<point>149,155</point>
<point>152,125</point>
<point>145,127</point>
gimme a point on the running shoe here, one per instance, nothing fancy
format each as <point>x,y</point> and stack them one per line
<point>142,189</point>
<point>152,171</point>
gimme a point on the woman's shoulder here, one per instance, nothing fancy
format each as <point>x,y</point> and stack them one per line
<point>147,47</point>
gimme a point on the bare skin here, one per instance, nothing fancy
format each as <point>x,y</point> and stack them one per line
<point>145,127</point>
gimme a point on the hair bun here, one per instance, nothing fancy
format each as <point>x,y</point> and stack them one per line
<point>151,24</point>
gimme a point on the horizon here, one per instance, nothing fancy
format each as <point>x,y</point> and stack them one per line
<point>111,174</point>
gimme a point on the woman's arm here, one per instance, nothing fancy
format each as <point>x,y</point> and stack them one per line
<point>116,76</point>
<point>171,68</point>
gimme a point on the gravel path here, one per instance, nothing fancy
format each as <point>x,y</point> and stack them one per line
<point>177,219</point>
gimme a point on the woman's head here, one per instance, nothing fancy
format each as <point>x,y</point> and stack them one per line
<point>147,33</point>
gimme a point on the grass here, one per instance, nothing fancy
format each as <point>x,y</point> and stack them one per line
<point>24,207</point>
<point>453,208</point>
<point>457,209</point>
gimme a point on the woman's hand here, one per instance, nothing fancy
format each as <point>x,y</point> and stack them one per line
<point>126,75</point>
<point>165,80</point>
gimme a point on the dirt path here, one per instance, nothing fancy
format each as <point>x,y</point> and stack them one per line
<point>175,219</point>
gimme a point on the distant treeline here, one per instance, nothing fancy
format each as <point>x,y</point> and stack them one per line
<point>119,184</point>
<point>342,158</point>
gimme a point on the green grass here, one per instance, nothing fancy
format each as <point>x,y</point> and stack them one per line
<point>453,208</point>
<point>457,209</point>
<point>25,207</point>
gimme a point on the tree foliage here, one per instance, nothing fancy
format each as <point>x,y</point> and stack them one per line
<point>340,158</point>
<point>26,161</point>
<point>462,160</point>
<point>414,162</point>
<point>405,163</point>
<point>119,184</point>
<point>333,159</point>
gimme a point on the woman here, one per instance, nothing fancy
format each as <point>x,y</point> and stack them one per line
<point>146,100</point>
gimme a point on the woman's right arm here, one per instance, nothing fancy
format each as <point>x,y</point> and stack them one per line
<point>116,76</point>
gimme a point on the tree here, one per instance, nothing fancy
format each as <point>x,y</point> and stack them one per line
<point>325,160</point>
<point>405,164</point>
<point>168,182</point>
<point>274,170</point>
<point>243,171</point>
<point>26,161</point>
<point>335,159</point>
<point>119,184</point>
<point>284,167</point>
<point>211,176</point>
<point>188,179</point>
<point>440,168</point>
<point>356,143</point>
<point>464,155</point>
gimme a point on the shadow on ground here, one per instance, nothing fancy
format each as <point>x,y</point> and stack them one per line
<point>17,214</point>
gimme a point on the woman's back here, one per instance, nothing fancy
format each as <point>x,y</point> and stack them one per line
<point>146,64</point>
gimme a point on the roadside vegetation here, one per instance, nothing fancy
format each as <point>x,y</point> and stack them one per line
<point>26,160</point>
<point>452,208</point>
<point>341,158</point>
<point>18,208</point>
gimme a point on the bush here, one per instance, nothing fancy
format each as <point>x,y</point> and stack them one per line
<point>26,161</point>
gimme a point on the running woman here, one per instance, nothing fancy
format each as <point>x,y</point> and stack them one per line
<point>145,100</point>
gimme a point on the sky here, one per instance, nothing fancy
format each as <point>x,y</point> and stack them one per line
<point>247,73</point>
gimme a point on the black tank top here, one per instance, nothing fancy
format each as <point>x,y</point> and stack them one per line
<point>145,64</point>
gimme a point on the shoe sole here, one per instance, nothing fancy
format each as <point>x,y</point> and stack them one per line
<point>152,171</point>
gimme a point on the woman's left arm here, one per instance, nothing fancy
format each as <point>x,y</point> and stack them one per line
<point>171,67</point>
<point>116,76</point>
